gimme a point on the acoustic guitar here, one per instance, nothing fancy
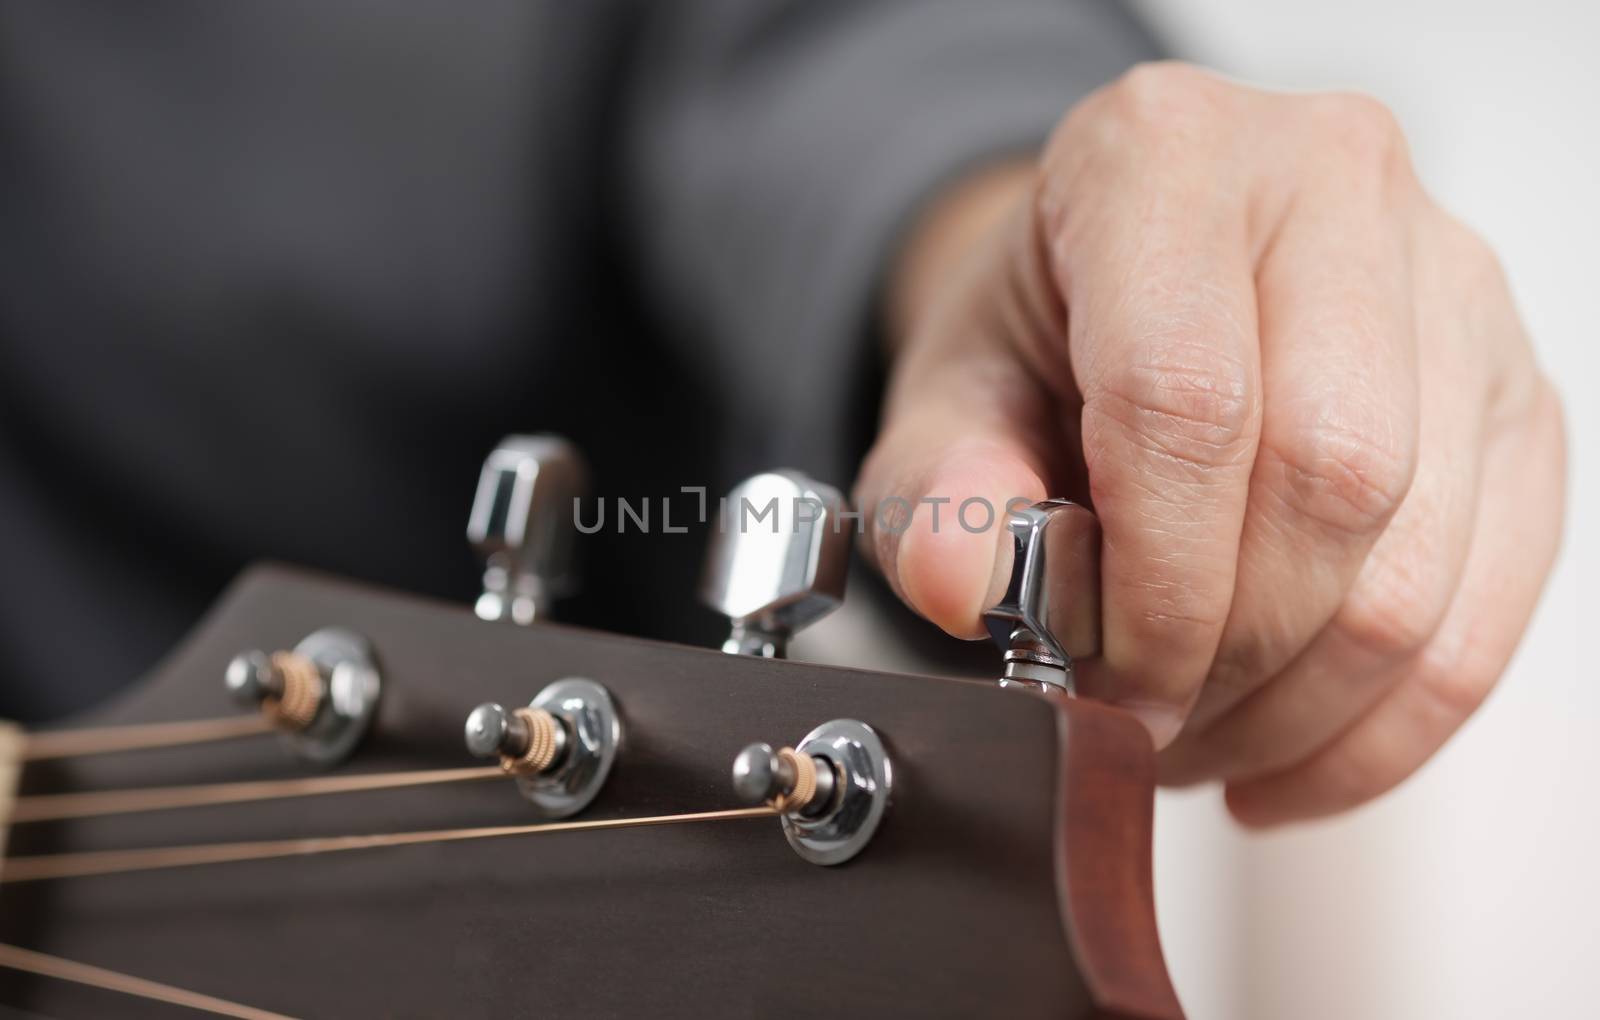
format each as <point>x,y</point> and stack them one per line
<point>283,818</point>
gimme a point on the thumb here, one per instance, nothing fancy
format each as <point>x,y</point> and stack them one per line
<point>969,427</point>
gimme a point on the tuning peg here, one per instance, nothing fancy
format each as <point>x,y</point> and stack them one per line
<point>522,525</point>
<point>322,695</point>
<point>1050,613</point>
<point>830,790</point>
<point>777,561</point>
<point>786,779</point>
<point>526,740</point>
<point>559,748</point>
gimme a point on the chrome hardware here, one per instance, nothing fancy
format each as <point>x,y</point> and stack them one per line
<point>762,775</point>
<point>521,524</point>
<point>777,561</point>
<point>322,695</point>
<point>831,826</point>
<point>527,741</point>
<point>584,732</point>
<point>251,678</point>
<point>1050,613</point>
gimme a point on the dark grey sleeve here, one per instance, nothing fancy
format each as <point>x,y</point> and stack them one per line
<point>775,151</point>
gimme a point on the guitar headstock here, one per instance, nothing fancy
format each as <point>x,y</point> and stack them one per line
<point>917,846</point>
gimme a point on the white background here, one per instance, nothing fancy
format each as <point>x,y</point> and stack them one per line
<point>1473,891</point>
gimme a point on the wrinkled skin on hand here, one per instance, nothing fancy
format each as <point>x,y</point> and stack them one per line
<point>1298,395</point>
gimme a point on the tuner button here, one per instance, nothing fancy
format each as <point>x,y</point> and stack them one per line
<point>1050,612</point>
<point>777,560</point>
<point>789,781</point>
<point>757,774</point>
<point>527,741</point>
<point>521,524</point>
<point>250,678</point>
<point>489,729</point>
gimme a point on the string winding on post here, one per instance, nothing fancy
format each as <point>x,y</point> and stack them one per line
<point>544,740</point>
<point>298,694</point>
<point>805,782</point>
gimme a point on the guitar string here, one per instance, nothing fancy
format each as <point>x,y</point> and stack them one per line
<point>17,958</point>
<point>107,862</point>
<point>136,737</point>
<point>50,807</point>
<point>142,736</point>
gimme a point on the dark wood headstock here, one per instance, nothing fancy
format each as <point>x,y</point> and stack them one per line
<point>1011,875</point>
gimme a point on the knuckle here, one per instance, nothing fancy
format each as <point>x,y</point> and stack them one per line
<point>1356,777</point>
<point>1364,131</point>
<point>1482,271</point>
<point>1394,610</point>
<point>1453,684</point>
<point>1152,94</point>
<point>1345,477</point>
<point>1195,407</point>
<point>1549,418</point>
<point>1363,124</point>
<point>1470,273</point>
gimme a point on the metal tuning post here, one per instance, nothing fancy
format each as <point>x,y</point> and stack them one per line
<point>831,790</point>
<point>777,561</point>
<point>322,695</point>
<point>560,748</point>
<point>521,524</point>
<point>1050,613</point>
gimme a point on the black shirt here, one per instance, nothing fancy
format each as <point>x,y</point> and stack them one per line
<point>275,277</point>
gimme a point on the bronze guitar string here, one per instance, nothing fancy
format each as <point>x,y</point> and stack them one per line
<point>28,961</point>
<point>50,807</point>
<point>297,703</point>
<point>143,736</point>
<point>805,782</point>
<point>542,748</point>
<point>109,862</point>
<point>101,740</point>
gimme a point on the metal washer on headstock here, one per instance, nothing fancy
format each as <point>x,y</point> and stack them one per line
<point>831,789</point>
<point>322,695</point>
<point>560,748</point>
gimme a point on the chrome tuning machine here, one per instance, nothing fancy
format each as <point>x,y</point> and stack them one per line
<point>322,695</point>
<point>777,560</point>
<point>560,748</point>
<point>1050,613</point>
<point>830,790</point>
<point>522,525</point>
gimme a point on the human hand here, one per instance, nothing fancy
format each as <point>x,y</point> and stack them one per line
<point>1297,393</point>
